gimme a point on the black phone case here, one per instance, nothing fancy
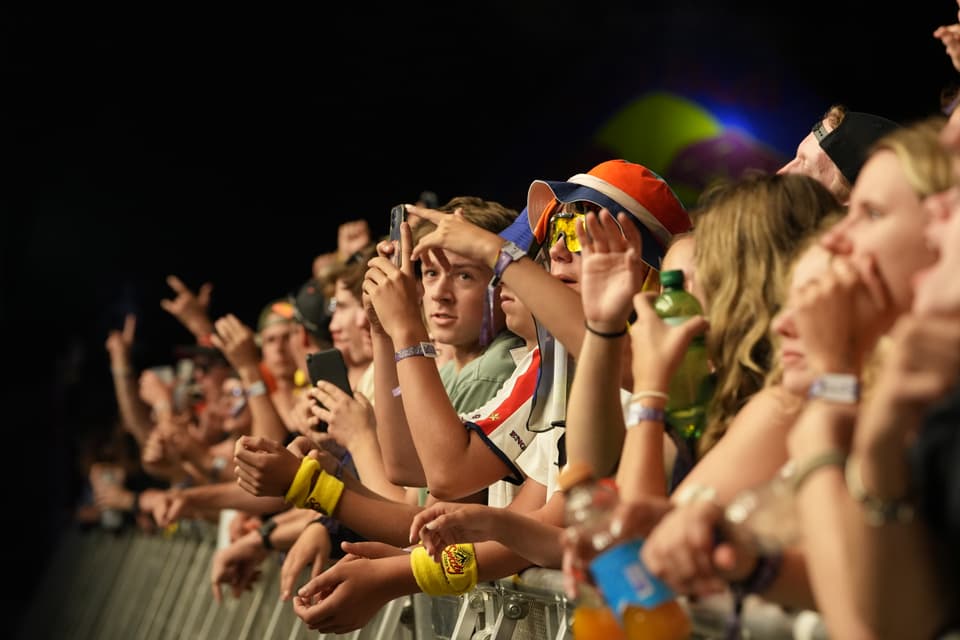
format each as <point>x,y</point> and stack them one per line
<point>329,365</point>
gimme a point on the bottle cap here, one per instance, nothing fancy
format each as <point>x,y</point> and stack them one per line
<point>573,474</point>
<point>672,278</point>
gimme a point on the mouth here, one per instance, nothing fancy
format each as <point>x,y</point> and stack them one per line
<point>790,358</point>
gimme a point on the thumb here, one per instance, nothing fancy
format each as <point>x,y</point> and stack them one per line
<point>725,557</point>
<point>292,565</point>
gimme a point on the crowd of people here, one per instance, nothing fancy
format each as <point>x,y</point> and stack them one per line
<point>488,349</point>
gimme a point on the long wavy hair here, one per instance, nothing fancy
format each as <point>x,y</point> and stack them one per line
<point>747,235</point>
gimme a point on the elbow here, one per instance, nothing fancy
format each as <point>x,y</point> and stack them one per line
<point>451,486</point>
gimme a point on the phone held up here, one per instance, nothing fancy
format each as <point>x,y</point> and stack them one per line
<point>397,216</point>
<point>328,365</point>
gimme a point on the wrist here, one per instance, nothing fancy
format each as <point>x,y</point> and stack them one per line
<point>490,249</point>
<point>249,373</point>
<point>409,337</point>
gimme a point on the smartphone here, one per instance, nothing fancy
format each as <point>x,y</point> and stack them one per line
<point>328,365</point>
<point>397,215</point>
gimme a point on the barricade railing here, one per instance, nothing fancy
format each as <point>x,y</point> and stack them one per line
<point>131,585</point>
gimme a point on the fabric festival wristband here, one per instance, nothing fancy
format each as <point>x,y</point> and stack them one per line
<point>637,413</point>
<point>301,485</point>
<point>258,388</point>
<point>325,494</point>
<point>455,575</point>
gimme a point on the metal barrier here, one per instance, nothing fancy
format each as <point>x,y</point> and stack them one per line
<point>153,587</point>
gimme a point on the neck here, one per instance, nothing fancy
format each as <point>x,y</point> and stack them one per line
<point>463,354</point>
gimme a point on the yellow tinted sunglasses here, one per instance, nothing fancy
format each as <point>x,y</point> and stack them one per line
<point>565,224</point>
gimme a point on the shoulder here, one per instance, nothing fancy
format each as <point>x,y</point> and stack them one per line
<point>771,407</point>
<point>497,361</point>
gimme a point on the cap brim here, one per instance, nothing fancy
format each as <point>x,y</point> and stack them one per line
<point>543,192</point>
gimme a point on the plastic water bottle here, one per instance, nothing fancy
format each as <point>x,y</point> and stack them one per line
<point>692,384</point>
<point>637,605</point>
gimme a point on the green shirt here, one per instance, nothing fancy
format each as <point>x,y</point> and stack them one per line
<point>482,377</point>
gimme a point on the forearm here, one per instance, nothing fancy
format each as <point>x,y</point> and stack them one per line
<point>400,459</point>
<point>368,459</point>
<point>228,495</point>
<point>536,536</point>
<point>555,305</point>
<point>595,429</point>
<point>438,434</point>
<point>133,412</point>
<point>642,471</point>
<point>822,506</point>
<point>904,550</point>
<point>265,420</point>
<point>375,518</point>
<point>290,524</point>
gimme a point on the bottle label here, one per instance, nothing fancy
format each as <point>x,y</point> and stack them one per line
<point>624,580</point>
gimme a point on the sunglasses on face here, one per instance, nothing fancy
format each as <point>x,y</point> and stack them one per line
<point>564,224</point>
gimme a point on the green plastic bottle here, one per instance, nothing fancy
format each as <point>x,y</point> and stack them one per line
<point>692,384</point>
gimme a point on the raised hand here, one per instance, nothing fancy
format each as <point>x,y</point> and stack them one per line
<point>236,341</point>
<point>188,308</point>
<point>347,417</point>
<point>612,269</point>
<point>455,233</point>
<point>351,237</point>
<point>119,343</point>
<point>658,348</point>
<point>841,314</point>
<point>393,292</point>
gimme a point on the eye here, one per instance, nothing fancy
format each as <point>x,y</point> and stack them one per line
<point>872,214</point>
<point>430,273</point>
<point>464,275</point>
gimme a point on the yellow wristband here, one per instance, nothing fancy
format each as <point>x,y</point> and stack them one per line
<point>300,487</point>
<point>455,575</point>
<point>325,494</point>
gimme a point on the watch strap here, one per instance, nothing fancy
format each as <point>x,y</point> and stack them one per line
<point>265,530</point>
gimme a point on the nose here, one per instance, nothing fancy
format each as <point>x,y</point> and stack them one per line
<point>787,168</point>
<point>783,325</point>
<point>835,239</point>
<point>559,251</point>
<point>441,289</point>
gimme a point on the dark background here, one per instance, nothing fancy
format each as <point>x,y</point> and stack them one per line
<point>227,145</point>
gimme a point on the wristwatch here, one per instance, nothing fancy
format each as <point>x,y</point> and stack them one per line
<point>265,530</point>
<point>836,387</point>
<point>423,349</point>
<point>510,252</point>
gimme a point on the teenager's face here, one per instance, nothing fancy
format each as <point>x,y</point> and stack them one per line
<point>453,300</point>
<point>275,348</point>
<point>797,375</point>
<point>346,327</point>
<point>886,220</point>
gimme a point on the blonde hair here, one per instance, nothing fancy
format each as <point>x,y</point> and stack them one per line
<point>747,234</point>
<point>925,162</point>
